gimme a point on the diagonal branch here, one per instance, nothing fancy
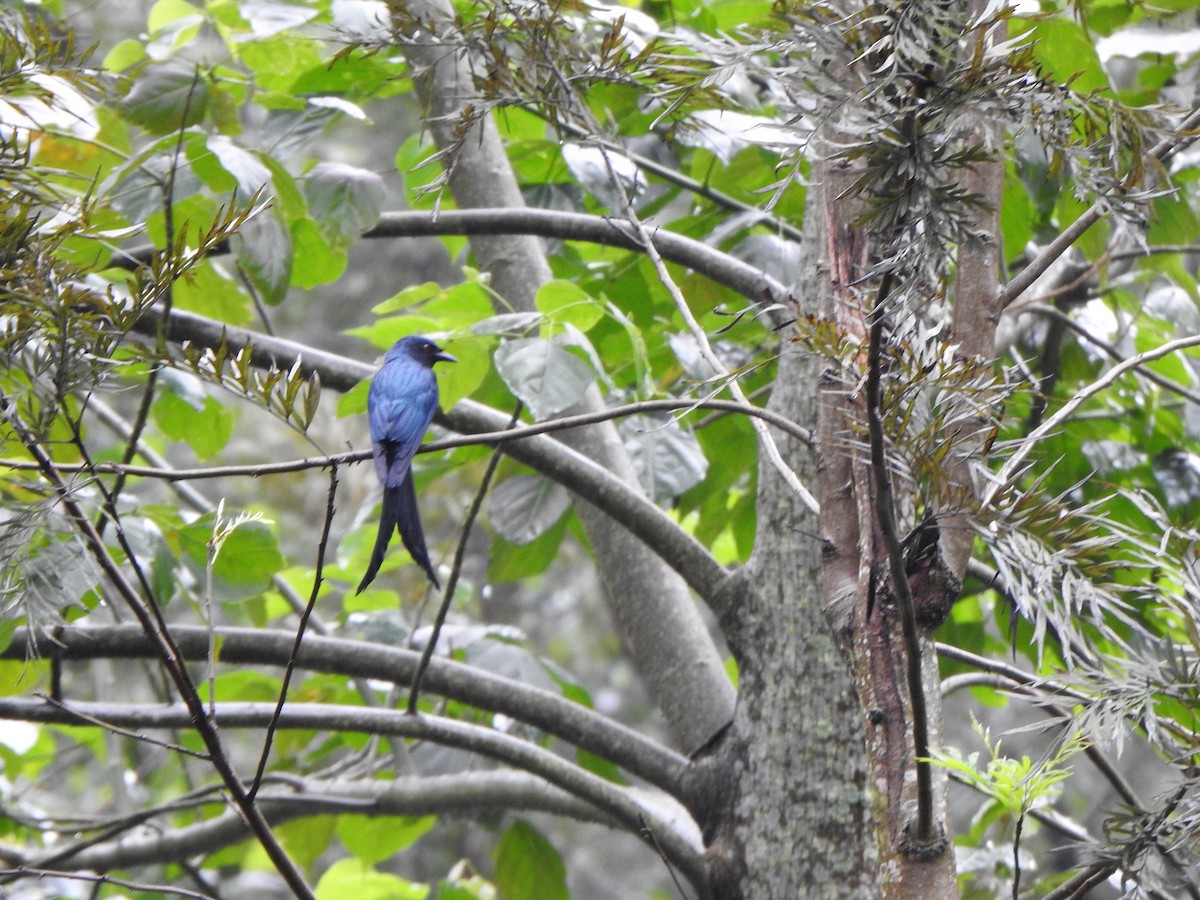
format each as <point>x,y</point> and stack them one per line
<point>156,632</point>
<point>1093,214</point>
<point>1002,479</point>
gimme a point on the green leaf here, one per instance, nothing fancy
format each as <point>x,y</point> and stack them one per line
<point>264,251</point>
<point>196,419</point>
<point>266,18</point>
<point>564,301</point>
<point>1016,222</point>
<point>511,562</point>
<point>349,878</point>
<point>345,200</point>
<point>249,174</point>
<point>374,839</point>
<point>1065,52</point>
<point>314,260</point>
<point>528,867</point>
<point>124,55</point>
<point>354,401</point>
<point>546,377</point>
<point>598,765</point>
<point>172,23</point>
<point>463,378</point>
<point>166,97</point>
<point>247,559</point>
<point>668,458</point>
<point>306,839</point>
<point>524,507</point>
<point>207,289</point>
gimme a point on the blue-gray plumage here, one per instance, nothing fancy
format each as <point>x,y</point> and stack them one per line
<point>400,405</point>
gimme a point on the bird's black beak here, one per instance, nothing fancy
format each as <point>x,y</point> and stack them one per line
<point>443,356</point>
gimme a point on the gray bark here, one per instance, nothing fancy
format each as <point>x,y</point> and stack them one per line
<point>797,816</point>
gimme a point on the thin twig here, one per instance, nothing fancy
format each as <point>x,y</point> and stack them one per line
<point>1013,464</point>
<point>116,729</point>
<point>652,839</point>
<point>469,440</point>
<point>456,568</point>
<point>1112,352</point>
<point>101,880</point>
<point>1090,217</point>
<point>318,578</point>
<point>885,513</point>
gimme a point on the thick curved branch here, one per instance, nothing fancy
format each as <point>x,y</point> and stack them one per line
<point>542,709</point>
<point>464,793</point>
<point>753,284</point>
<point>630,811</point>
<point>625,504</point>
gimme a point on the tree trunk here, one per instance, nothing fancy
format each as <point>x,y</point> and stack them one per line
<point>795,820</point>
<point>864,613</point>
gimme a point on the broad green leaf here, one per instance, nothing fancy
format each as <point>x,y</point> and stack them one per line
<point>199,421</point>
<point>528,867</point>
<point>459,306</point>
<point>516,324</point>
<point>457,381</point>
<point>250,175</point>
<point>354,401</point>
<point>171,24</point>
<point>165,13</point>
<point>140,185</point>
<point>524,507</point>
<point>565,302</point>
<point>668,459</point>
<point>349,878</point>
<point>266,18</point>
<point>166,97</point>
<point>345,200</point>
<point>277,61</point>
<point>306,839</point>
<point>264,251</point>
<point>243,568</point>
<point>207,289</point>
<point>373,839</point>
<point>1017,217</point>
<point>314,260</point>
<point>124,55</point>
<point>511,562</point>
<point>1065,52</point>
<point>546,377</point>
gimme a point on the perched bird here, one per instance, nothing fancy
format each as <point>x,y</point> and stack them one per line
<point>400,405</point>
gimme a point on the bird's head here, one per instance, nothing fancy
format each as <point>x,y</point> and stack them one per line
<point>419,349</point>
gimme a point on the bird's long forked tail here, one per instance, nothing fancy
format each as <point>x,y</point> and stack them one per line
<point>400,512</point>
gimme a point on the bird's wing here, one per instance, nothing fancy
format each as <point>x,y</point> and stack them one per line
<point>400,406</point>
